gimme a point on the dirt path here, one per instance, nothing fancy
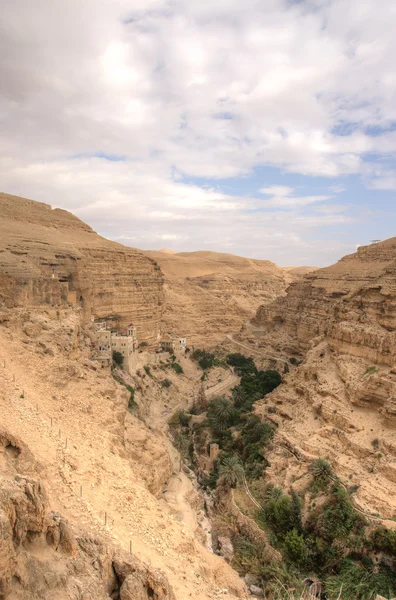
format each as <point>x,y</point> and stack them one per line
<point>254,351</point>
<point>224,386</point>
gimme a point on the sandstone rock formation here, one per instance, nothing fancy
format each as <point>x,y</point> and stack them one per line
<point>49,258</point>
<point>340,402</point>
<point>208,294</point>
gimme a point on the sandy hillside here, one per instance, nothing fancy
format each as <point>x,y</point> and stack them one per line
<point>210,294</point>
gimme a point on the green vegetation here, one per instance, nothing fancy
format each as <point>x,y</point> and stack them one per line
<point>118,358</point>
<point>132,406</point>
<point>332,541</point>
<point>166,383</point>
<point>177,368</point>
<point>206,360</point>
<point>230,471</point>
<point>370,371</point>
<point>147,368</point>
<point>221,414</point>
<point>143,344</point>
<point>384,540</point>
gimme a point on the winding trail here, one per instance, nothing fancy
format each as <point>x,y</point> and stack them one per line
<point>230,337</point>
<point>226,385</point>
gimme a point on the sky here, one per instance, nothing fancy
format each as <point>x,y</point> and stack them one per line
<point>263,128</point>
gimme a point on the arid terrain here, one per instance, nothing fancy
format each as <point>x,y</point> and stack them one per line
<point>340,324</point>
<point>82,479</point>
<point>109,486</point>
<point>209,294</point>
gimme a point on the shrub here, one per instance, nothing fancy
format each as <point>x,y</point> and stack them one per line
<point>243,365</point>
<point>295,547</point>
<point>384,540</point>
<point>118,358</point>
<point>360,582</point>
<point>177,368</point>
<point>183,418</point>
<point>165,383</point>
<point>278,514</point>
<point>206,360</point>
<point>143,344</point>
<point>337,518</point>
<point>147,369</point>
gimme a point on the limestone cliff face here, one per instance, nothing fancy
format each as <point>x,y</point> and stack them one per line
<point>209,294</point>
<point>51,258</point>
<point>352,303</point>
<point>340,402</point>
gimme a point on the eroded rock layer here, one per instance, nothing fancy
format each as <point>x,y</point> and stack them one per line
<point>340,402</point>
<point>51,258</point>
<point>209,294</point>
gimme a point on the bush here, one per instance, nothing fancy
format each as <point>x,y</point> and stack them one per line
<point>337,518</point>
<point>295,547</point>
<point>384,540</point>
<point>118,358</point>
<point>183,418</point>
<point>143,344</point>
<point>243,365</point>
<point>165,383</point>
<point>147,369</point>
<point>177,368</point>
<point>278,514</point>
<point>206,360</point>
<point>360,582</point>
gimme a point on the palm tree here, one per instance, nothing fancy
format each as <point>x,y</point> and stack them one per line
<point>238,395</point>
<point>273,492</point>
<point>230,471</point>
<point>321,470</point>
<point>220,414</point>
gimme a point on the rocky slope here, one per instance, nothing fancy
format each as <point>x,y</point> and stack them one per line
<point>340,402</point>
<point>208,294</point>
<point>71,452</point>
<point>51,258</point>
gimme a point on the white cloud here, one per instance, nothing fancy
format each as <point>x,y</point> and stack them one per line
<point>202,89</point>
<point>277,190</point>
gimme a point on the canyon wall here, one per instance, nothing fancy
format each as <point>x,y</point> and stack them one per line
<point>49,258</point>
<point>339,323</point>
<point>209,295</point>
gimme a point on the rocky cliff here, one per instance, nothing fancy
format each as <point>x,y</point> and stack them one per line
<point>340,322</point>
<point>49,258</point>
<point>209,294</point>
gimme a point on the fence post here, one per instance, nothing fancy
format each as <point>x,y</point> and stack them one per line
<point>130,547</point>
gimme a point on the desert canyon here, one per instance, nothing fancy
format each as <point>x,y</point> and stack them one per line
<point>113,487</point>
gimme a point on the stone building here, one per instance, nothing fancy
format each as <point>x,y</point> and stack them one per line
<point>108,341</point>
<point>172,343</point>
<point>127,343</point>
